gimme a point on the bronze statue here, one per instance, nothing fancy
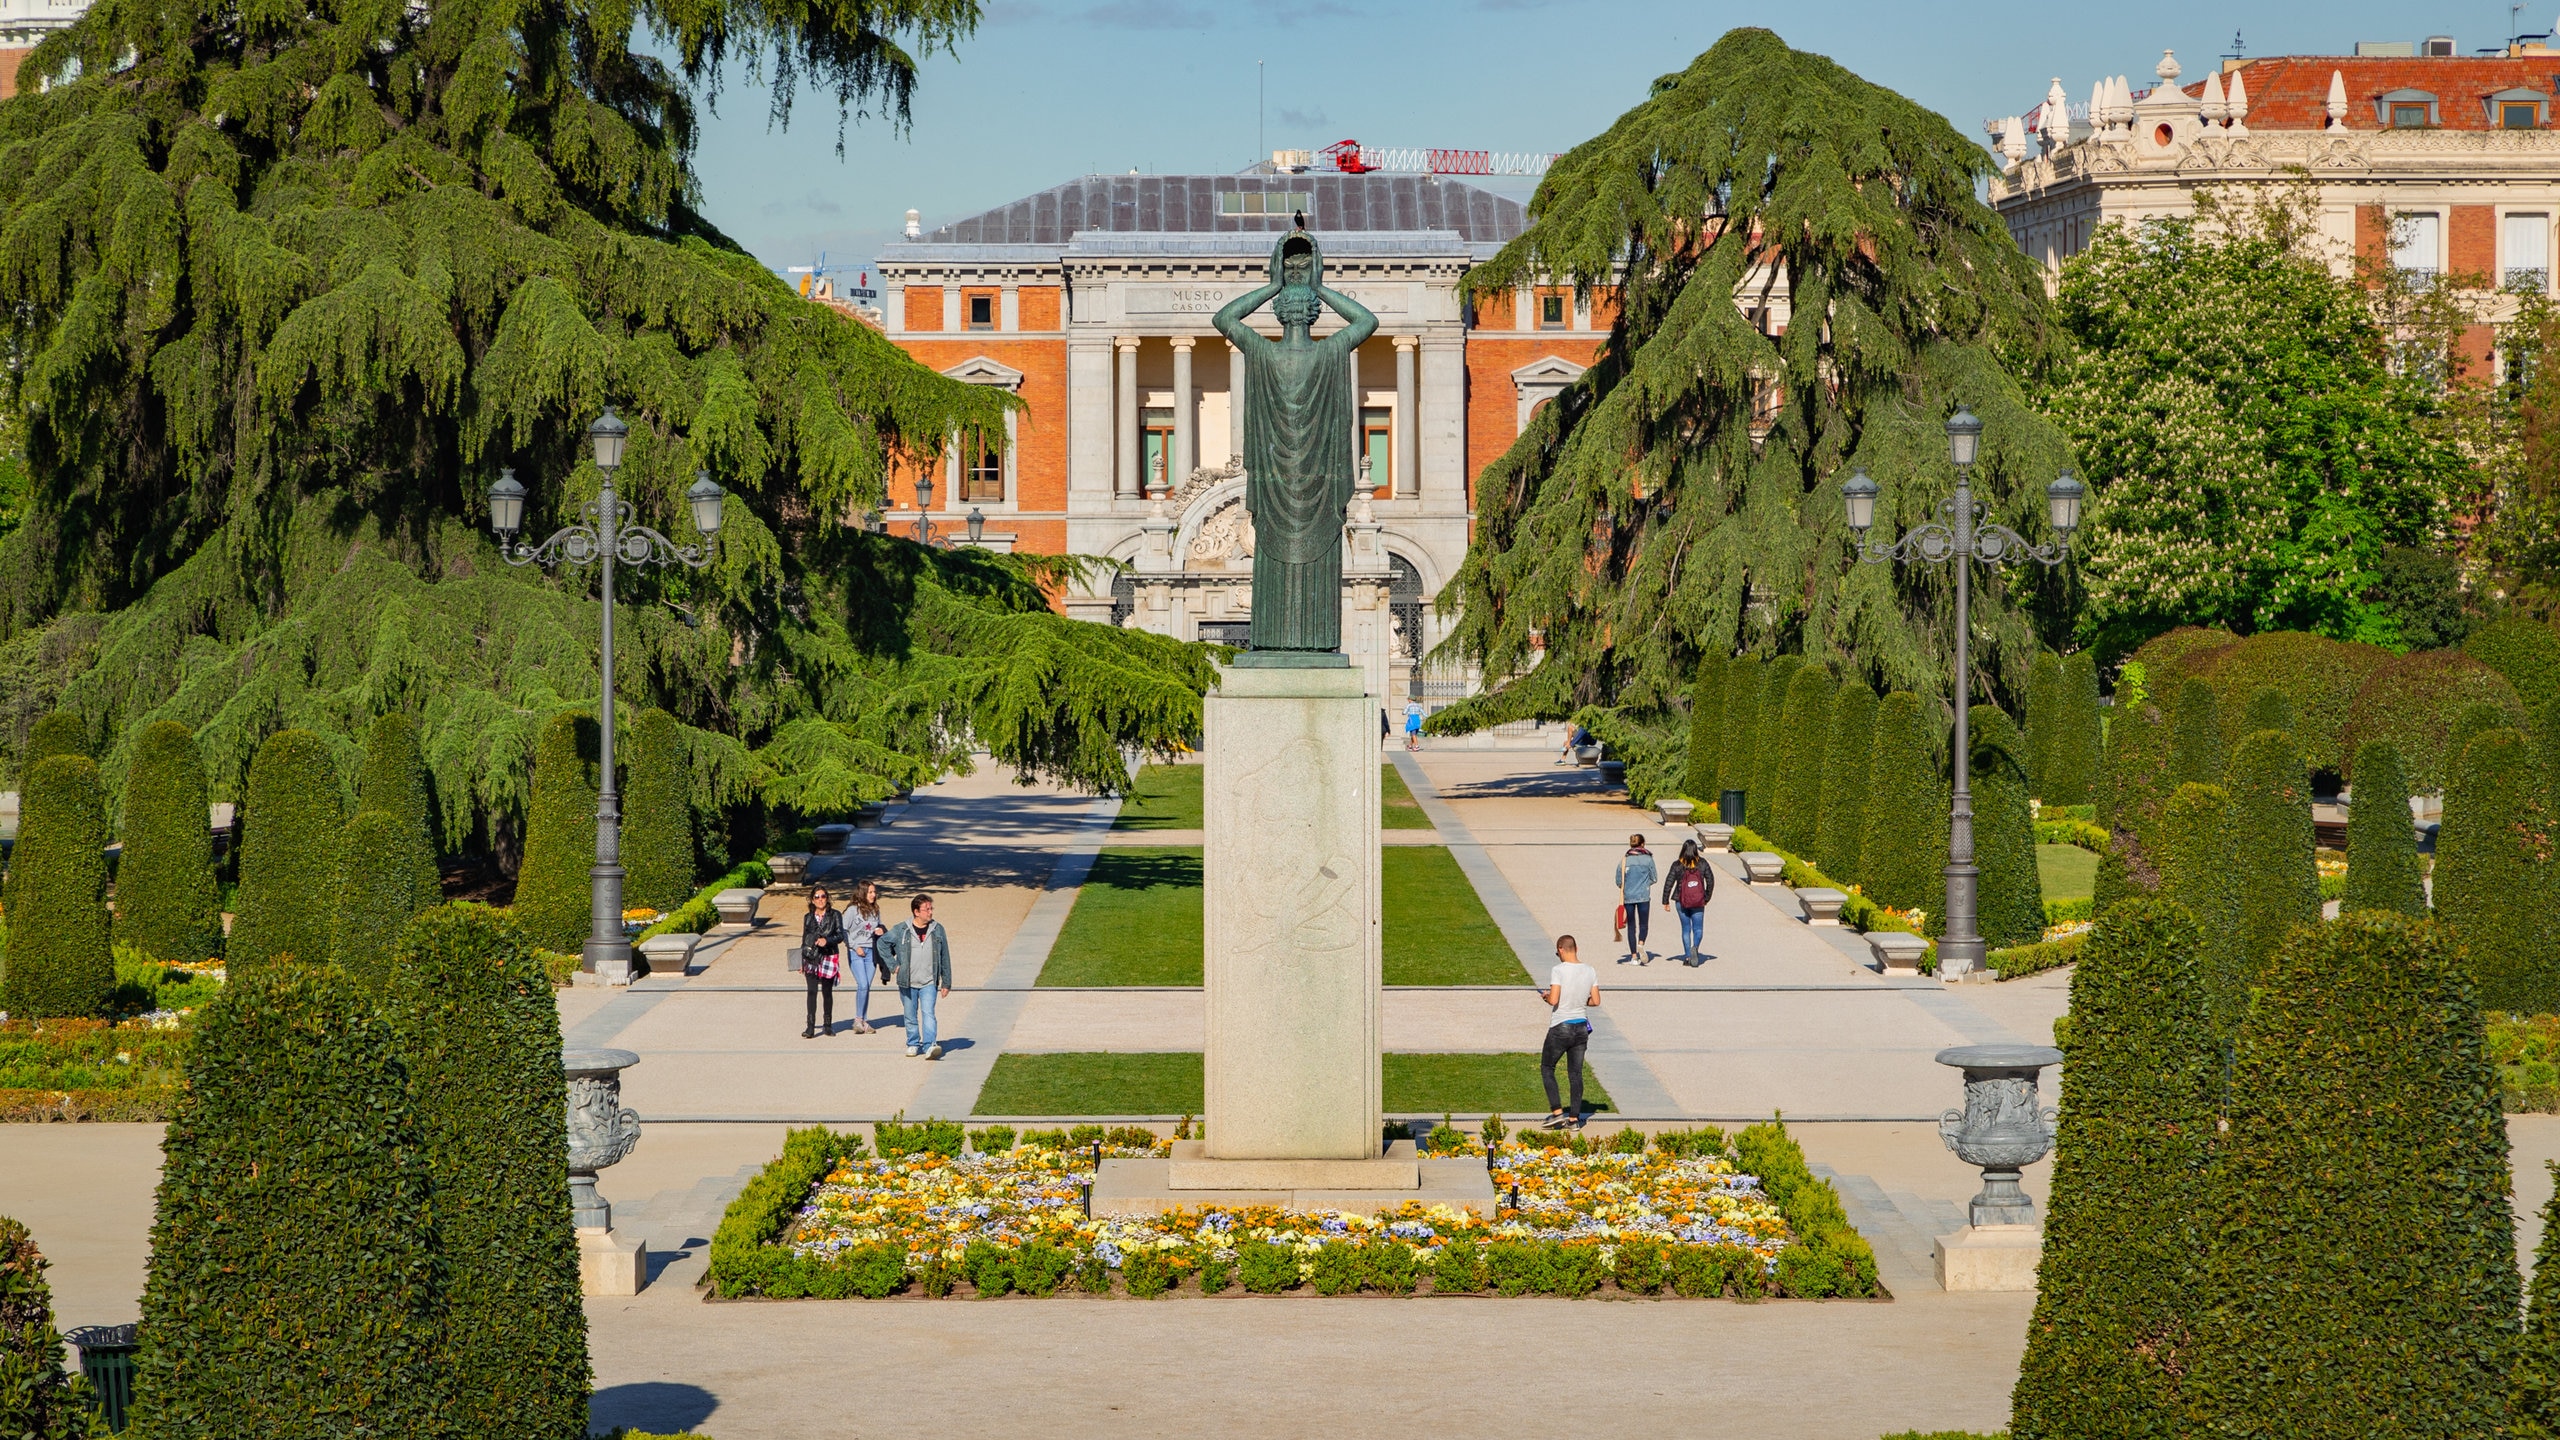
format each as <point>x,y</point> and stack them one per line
<point>1299,415</point>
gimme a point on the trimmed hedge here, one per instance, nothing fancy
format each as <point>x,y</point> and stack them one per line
<point>290,852</point>
<point>1830,1256</point>
<point>2135,773</point>
<point>2317,676</point>
<point>2169,658</point>
<point>1902,855</point>
<point>2546,743</point>
<point>2273,864</point>
<point>2363,1272</point>
<point>2534,1400</point>
<point>59,733</point>
<point>2195,748</point>
<point>2197,872</point>
<point>2268,709</point>
<point>2523,649</point>
<point>39,1399</point>
<point>2070,776</point>
<point>553,899</point>
<point>168,903</point>
<point>292,1289</point>
<point>2121,1276</point>
<point>700,913</point>
<point>2382,842</point>
<point>657,815</point>
<point>1796,817</point>
<point>1844,790</point>
<point>2009,903</point>
<point>393,779</point>
<point>481,1034</point>
<point>2020,961</point>
<point>377,893</point>
<point>2411,703</point>
<point>1858,912</point>
<point>744,1259</point>
<point>2044,696</point>
<point>2494,875</point>
<point>1743,678</point>
<point>1769,753</point>
<point>1706,731</point>
<point>61,960</point>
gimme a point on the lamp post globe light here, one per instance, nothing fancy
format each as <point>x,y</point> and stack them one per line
<point>1963,537</point>
<point>607,532</point>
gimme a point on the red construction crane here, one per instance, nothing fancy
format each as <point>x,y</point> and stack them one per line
<point>1350,157</point>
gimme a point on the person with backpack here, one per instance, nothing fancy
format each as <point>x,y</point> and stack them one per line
<point>918,955</point>
<point>1636,877</point>
<point>1686,891</point>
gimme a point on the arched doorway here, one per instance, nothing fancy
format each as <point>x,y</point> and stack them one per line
<point>1404,614</point>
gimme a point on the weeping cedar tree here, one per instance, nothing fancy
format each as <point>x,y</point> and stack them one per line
<point>1648,516</point>
<point>2071,766</point>
<point>1706,720</point>
<point>39,1400</point>
<point>554,902</point>
<point>1902,854</point>
<point>377,893</point>
<point>481,1036</point>
<point>2194,858</point>
<point>292,1288</point>
<point>2010,897</point>
<point>2274,867</point>
<point>1742,681</point>
<point>290,852</point>
<point>2534,1402</point>
<point>1844,789</point>
<point>2365,1251</point>
<point>2494,874</point>
<point>61,961</point>
<point>2195,749</point>
<point>2118,1286</point>
<point>283,291</point>
<point>393,780</point>
<point>168,904</point>
<point>2044,682</point>
<point>1806,723</point>
<point>657,815</point>
<point>2380,837</point>
<point>1769,754</point>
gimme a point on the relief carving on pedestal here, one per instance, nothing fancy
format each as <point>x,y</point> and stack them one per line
<point>1300,904</point>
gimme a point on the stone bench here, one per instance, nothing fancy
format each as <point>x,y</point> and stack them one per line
<point>790,868</point>
<point>831,839</point>
<point>1675,812</point>
<point>1898,952</point>
<point>667,954</point>
<point>1713,836</point>
<point>1763,866</point>
<point>1822,904</point>
<point>738,907</point>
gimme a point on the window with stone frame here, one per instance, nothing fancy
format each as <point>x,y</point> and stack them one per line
<point>1377,447</point>
<point>982,476</point>
<point>1156,450</point>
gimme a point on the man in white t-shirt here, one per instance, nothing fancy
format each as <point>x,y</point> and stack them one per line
<point>1572,987</point>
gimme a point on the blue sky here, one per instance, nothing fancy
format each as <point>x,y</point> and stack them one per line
<point>1051,89</point>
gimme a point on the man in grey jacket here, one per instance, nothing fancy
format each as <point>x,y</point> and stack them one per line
<point>918,953</point>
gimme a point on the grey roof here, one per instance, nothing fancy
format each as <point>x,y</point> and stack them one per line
<point>1160,204</point>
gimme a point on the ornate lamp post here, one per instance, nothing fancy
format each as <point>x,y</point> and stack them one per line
<point>608,531</point>
<point>1963,537</point>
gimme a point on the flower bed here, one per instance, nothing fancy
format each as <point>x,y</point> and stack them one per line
<point>2526,1050</point>
<point>90,1069</point>
<point>832,1218</point>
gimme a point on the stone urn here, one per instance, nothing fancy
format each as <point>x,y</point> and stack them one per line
<point>601,1132</point>
<point>2001,1127</point>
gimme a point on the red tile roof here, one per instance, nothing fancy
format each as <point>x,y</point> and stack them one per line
<point>2291,92</point>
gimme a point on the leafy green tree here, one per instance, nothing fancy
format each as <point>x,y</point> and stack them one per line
<point>2120,1280</point>
<point>377,893</point>
<point>1855,202</point>
<point>293,1287</point>
<point>61,958</point>
<point>290,852</point>
<point>1769,755</point>
<point>553,898</point>
<point>2009,902</point>
<point>2494,874</point>
<point>39,1400</point>
<point>1806,725</point>
<point>481,1036</point>
<point>2273,868</point>
<point>2382,842</point>
<point>2250,449</point>
<point>2196,754</point>
<point>168,904</point>
<point>657,815</point>
<point>2044,685</point>
<point>2362,1278</point>
<point>2525,650</point>
<point>2071,765</point>
<point>1706,731</point>
<point>2195,866</point>
<point>1743,679</point>
<point>2421,590</point>
<point>1902,856</point>
<point>393,780</point>
<point>1844,790</point>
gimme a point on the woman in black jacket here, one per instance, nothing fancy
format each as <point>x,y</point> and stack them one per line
<point>821,960</point>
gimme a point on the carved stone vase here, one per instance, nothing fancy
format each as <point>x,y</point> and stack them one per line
<point>2001,1127</point>
<point>601,1132</point>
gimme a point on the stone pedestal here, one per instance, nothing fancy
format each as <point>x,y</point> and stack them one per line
<point>1989,1257</point>
<point>1291,914</point>
<point>608,1264</point>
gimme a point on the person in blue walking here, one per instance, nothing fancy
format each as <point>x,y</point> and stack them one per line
<point>1636,879</point>
<point>1413,724</point>
<point>918,954</point>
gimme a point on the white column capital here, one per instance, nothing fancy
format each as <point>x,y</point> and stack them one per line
<point>1407,342</point>
<point>1125,342</point>
<point>1182,343</point>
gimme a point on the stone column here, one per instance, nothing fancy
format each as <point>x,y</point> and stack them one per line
<point>950,306</point>
<point>1183,420</point>
<point>1404,448</point>
<point>1443,426</point>
<point>1524,309</point>
<point>1235,403</point>
<point>1126,482</point>
<point>1009,308</point>
<point>1089,422</point>
<point>1359,451</point>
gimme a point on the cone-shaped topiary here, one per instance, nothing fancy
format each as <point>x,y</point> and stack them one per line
<point>552,895</point>
<point>2195,750</point>
<point>481,1035</point>
<point>2524,650</point>
<point>377,893</point>
<point>1769,755</point>
<point>393,780</point>
<point>2009,903</point>
<point>1743,678</point>
<point>2044,688</point>
<point>61,954</point>
<point>2382,844</point>
<point>290,846</point>
<point>2494,872</point>
<point>294,1263</point>
<point>168,904</point>
<point>2195,871</point>
<point>2363,1272</point>
<point>2071,764</point>
<point>39,1400</point>
<point>2546,743</point>
<point>1902,854</point>
<point>1706,732</point>
<point>2117,1287</point>
<point>657,815</point>
<point>2476,719</point>
<point>2534,1401</point>
<point>2273,864</point>
<point>1805,727</point>
<point>58,733</point>
<point>1844,790</point>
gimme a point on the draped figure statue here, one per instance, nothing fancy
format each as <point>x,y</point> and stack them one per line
<point>1298,454</point>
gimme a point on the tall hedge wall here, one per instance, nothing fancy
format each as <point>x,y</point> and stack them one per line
<point>2010,897</point>
<point>2121,1276</point>
<point>2070,774</point>
<point>2272,847</point>
<point>2044,689</point>
<point>481,1033</point>
<point>1769,753</point>
<point>1844,790</point>
<point>2195,749</point>
<point>290,849</point>
<point>2317,676</point>
<point>1743,679</point>
<point>377,893</point>
<point>2194,863</point>
<point>2268,708</point>
<point>1902,855</point>
<point>2170,657</point>
<point>552,894</point>
<point>2363,1272</point>
<point>61,952</point>
<point>1706,733</point>
<point>2138,766</point>
<point>292,1289</point>
<point>657,815</point>
<point>2546,743</point>
<point>2411,704</point>
<point>2494,875</point>
<point>2382,842</point>
<point>2534,1400</point>
<point>1797,815</point>
<point>39,1398</point>
<point>2525,650</point>
<point>58,733</point>
<point>393,780</point>
<point>168,903</point>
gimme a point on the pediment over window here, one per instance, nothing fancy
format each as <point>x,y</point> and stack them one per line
<point>979,370</point>
<point>1549,373</point>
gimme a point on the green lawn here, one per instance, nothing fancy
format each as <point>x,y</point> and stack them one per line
<point>2067,871</point>
<point>1169,1083</point>
<point>1398,810</point>
<point>1137,922</point>
<point>1163,797</point>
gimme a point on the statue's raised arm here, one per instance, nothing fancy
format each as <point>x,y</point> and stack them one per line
<point>1230,319</point>
<point>1359,324</point>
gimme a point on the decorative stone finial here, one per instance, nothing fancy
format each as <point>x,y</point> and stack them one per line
<point>2013,141</point>
<point>2236,104</point>
<point>2209,104</point>
<point>2337,101</point>
<point>2168,69</point>
<point>2055,119</point>
<point>915,224</point>
<point>2098,107</point>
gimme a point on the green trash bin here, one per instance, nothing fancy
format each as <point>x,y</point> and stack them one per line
<point>106,1357</point>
